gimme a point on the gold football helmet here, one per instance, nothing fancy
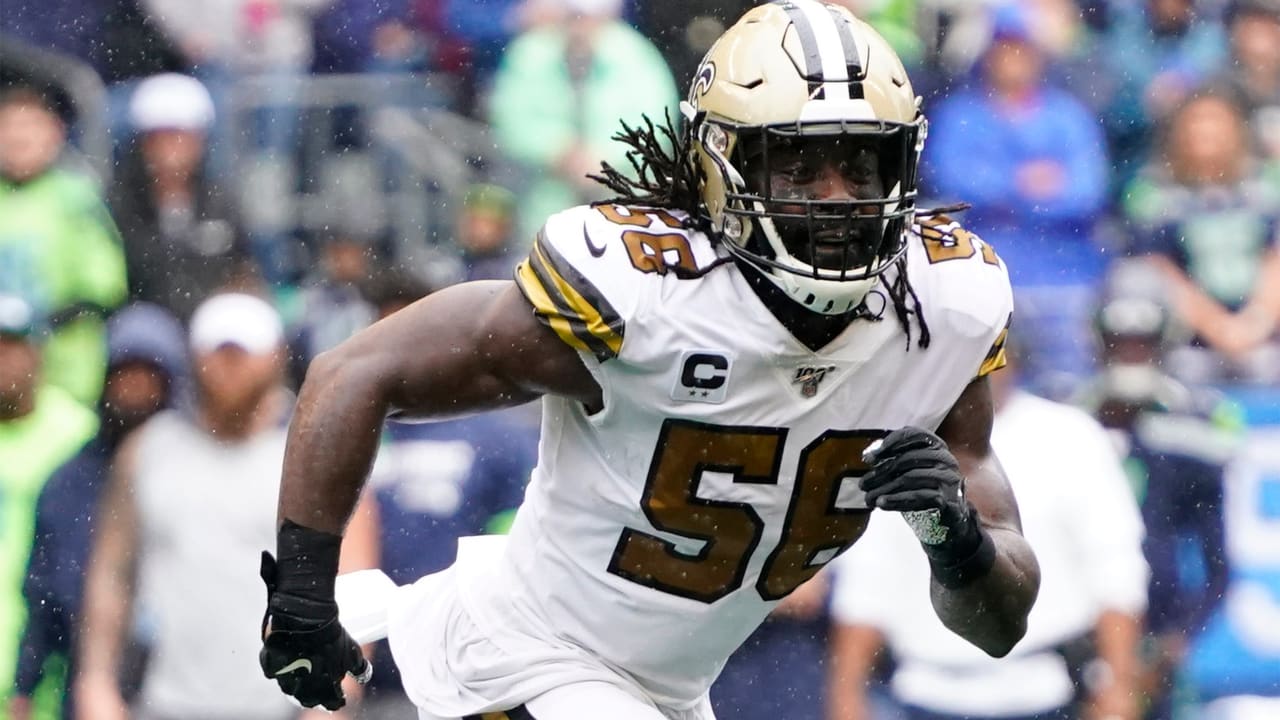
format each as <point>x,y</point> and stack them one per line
<point>787,72</point>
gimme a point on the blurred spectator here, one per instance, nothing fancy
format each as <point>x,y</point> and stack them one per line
<point>58,246</point>
<point>129,44</point>
<point>1206,216</point>
<point>1038,173</point>
<point>896,21</point>
<point>1175,442</point>
<point>558,97</point>
<point>965,31</point>
<point>395,36</point>
<point>484,233</point>
<point>112,35</point>
<point>1232,666</point>
<point>780,671</point>
<point>1153,54</point>
<point>1254,73</point>
<point>485,27</point>
<point>241,37</point>
<point>1071,49</point>
<point>1031,159</point>
<point>444,48</point>
<point>347,33</point>
<point>180,233</point>
<point>253,56</point>
<point>68,27</point>
<point>40,427</point>
<point>146,369</point>
<point>228,41</point>
<point>684,32</point>
<point>434,483</point>
<point>332,305</point>
<point>1059,27</point>
<point>1082,637</point>
<point>190,505</point>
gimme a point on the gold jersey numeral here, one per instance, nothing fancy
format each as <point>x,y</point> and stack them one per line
<point>723,535</point>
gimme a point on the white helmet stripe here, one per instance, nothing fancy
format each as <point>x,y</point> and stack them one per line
<point>852,61</point>
<point>830,47</point>
<point>813,69</point>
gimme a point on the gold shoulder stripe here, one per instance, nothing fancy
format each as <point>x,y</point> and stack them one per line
<point>585,303</point>
<point>996,356</point>
<point>544,307</point>
<point>569,304</point>
<point>993,362</point>
<point>573,317</point>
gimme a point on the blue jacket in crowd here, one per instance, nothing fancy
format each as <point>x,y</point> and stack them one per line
<point>974,153</point>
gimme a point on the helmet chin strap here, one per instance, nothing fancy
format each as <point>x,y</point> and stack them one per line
<point>826,297</point>
<point>799,288</point>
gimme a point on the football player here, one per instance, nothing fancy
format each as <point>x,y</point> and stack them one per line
<point>759,343</point>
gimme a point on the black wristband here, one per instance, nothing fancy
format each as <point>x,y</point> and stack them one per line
<point>954,572</point>
<point>306,562</point>
<point>962,538</point>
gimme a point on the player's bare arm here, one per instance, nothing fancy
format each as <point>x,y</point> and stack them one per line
<point>467,348</point>
<point>992,611</point>
<point>471,347</point>
<point>959,503</point>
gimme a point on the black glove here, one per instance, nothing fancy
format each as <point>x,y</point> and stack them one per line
<point>304,648</point>
<point>914,472</point>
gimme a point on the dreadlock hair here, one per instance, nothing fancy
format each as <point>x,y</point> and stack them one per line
<point>899,290</point>
<point>666,175</point>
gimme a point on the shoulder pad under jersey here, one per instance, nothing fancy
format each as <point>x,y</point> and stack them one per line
<point>962,283</point>
<point>590,268</point>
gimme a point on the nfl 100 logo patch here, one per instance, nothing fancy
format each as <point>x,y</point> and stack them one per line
<point>809,377</point>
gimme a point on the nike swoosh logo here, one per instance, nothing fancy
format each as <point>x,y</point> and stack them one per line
<point>299,664</point>
<point>591,247</point>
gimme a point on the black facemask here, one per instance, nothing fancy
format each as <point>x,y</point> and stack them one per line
<point>826,195</point>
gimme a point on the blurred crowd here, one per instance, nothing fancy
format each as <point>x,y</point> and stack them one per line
<point>198,198</point>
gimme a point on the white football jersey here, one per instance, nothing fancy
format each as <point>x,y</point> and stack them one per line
<point>722,471</point>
